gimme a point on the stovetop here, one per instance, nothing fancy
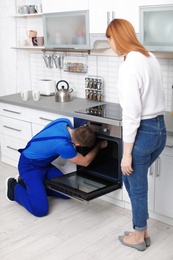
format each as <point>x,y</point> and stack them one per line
<point>109,111</point>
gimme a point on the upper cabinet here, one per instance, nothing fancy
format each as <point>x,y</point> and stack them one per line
<point>64,6</point>
<point>128,10</point>
<point>100,13</point>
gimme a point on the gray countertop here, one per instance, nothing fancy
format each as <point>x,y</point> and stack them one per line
<point>48,104</point>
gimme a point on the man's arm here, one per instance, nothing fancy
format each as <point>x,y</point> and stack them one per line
<point>79,159</point>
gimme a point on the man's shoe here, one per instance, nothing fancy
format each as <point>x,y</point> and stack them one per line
<point>147,239</point>
<point>10,184</point>
<point>21,182</point>
<point>140,246</point>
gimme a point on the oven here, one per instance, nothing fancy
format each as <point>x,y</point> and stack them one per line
<point>103,175</point>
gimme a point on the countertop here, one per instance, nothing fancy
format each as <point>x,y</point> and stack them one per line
<point>48,104</point>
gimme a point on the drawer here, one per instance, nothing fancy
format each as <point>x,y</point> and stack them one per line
<point>17,112</point>
<point>44,118</point>
<point>36,128</point>
<point>15,128</point>
<point>9,149</point>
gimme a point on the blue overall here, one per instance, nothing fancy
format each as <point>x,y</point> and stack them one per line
<point>33,172</point>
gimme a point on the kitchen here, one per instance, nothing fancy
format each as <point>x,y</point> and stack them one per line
<point>33,67</point>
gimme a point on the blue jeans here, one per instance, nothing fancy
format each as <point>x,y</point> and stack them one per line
<point>150,142</point>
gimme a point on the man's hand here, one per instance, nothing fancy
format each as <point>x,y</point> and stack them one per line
<point>102,144</point>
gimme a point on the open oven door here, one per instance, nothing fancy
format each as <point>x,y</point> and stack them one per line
<point>82,186</point>
<point>102,176</point>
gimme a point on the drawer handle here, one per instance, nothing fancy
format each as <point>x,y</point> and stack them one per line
<point>12,128</point>
<point>12,148</point>
<point>12,111</point>
<point>46,119</point>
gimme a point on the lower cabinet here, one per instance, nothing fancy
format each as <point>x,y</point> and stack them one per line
<point>14,134</point>
<point>161,182</point>
<point>18,125</point>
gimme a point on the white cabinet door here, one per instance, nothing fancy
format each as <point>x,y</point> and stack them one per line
<point>100,14</point>
<point>163,186</point>
<point>63,6</point>
<point>128,10</point>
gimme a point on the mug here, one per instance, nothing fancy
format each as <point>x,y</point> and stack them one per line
<point>23,9</point>
<point>39,41</point>
<point>33,41</point>
<point>31,33</point>
<point>38,8</point>
<point>36,95</point>
<point>25,94</point>
<point>32,9</point>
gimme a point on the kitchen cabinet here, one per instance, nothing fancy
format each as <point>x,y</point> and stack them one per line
<point>162,178</point>
<point>15,131</point>
<point>102,14</point>
<point>40,119</point>
<point>24,23</point>
<point>64,6</point>
<point>18,125</point>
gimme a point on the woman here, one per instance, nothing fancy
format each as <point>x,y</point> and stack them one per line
<point>141,96</point>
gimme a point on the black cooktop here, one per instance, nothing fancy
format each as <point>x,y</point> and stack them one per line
<point>109,111</point>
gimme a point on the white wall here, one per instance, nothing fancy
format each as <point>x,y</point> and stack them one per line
<point>21,68</point>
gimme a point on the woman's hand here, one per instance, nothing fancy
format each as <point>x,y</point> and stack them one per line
<point>126,164</point>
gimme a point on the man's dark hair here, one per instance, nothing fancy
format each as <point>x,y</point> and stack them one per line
<point>84,136</point>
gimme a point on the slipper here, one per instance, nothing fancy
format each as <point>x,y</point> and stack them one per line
<point>147,239</point>
<point>140,247</point>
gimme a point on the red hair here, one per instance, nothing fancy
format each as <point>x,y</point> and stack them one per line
<point>123,34</point>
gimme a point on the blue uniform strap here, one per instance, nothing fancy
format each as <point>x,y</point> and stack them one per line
<point>46,138</point>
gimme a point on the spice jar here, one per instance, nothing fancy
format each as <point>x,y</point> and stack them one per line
<point>99,96</point>
<point>87,94</point>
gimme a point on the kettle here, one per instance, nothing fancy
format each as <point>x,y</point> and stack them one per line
<point>63,92</point>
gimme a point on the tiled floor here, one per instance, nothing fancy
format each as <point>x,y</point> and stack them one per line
<point>73,231</point>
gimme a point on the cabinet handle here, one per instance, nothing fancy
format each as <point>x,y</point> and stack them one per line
<point>113,15</point>
<point>46,119</point>
<point>108,18</point>
<point>12,128</point>
<point>12,111</point>
<point>158,167</point>
<point>151,170</point>
<point>12,148</point>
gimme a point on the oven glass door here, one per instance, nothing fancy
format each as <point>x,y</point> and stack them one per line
<point>82,185</point>
<point>102,176</point>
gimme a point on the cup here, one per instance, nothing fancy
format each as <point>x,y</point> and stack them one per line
<point>38,8</point>
<point>33,41</point>
<point>31,33</point>
<point>36,95</point>
<point>32,9</point>
<point>25,94</point>
<point>39,41</point>
<point>24,9</point>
